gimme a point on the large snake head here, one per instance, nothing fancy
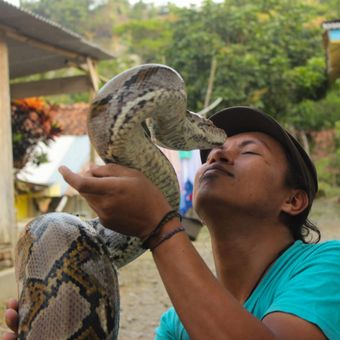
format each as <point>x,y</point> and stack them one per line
<point>203,133</point>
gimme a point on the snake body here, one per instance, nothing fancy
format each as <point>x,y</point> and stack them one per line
<point>66,267</point>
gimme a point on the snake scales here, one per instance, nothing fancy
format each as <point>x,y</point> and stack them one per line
<point>66,267</point>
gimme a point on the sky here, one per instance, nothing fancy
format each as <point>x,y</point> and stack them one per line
<point>182,3</point>
<point>13,2</point>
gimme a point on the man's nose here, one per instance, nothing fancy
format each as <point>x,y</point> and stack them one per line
<point>221,154</point>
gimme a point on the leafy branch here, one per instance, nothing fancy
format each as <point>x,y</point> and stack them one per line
<point>32,122</point>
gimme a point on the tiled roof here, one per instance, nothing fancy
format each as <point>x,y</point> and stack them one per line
<point>72,118</point>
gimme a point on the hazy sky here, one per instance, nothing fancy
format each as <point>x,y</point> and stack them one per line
<point>177,2</point>
<point>157,2</point>
<point>13,2</point>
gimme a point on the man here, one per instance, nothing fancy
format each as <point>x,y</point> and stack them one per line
<point>254,194</point>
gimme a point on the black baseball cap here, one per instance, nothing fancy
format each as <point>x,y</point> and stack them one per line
<point>238,119</point>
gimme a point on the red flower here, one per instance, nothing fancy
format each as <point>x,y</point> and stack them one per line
<point>32,122</point>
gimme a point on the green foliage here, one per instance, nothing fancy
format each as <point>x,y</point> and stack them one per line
<point>69,13</point>
<point>337,135</point>
<point>335,158</point>
<point>322,167</point>
<point>146,38</point>
<point>332,8</point>
<point>328,182</point>
<point>309,80</point>
<point>143,11</point>
<point>328,167</point>
<point>93,19</point>
<point>98,21</point>
<point>267,55</point>
<point>317,115</point>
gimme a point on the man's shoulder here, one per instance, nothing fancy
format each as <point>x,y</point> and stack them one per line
<point>306,259</point>
<point>303,258</point>
<point>310,287</point>
<point>330,246</point>
<point>325,248</point>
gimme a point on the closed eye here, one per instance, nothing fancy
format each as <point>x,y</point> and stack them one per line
<point>250,153</point>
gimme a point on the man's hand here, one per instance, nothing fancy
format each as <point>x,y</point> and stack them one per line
<point>123,198</point>
<point>11,319</point>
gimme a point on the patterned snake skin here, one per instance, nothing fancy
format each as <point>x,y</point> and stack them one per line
<point>67,268</point>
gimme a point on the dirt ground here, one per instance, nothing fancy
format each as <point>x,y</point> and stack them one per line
<point>143,297</point>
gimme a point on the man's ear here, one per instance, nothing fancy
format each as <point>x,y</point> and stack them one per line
<point>296,202</point>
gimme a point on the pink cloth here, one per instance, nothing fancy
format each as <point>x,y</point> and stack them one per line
<point>173,157</point>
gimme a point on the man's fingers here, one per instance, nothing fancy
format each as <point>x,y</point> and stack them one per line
<point>12,303</point>
<point>9,336</point>
<point>112,170</point>
<point>85,184</point>
<point>12,319</point>
<point>70,177</point>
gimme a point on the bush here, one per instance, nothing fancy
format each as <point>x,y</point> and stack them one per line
<point>32,122</point>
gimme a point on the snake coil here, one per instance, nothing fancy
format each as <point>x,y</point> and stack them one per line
<point>66,267</point>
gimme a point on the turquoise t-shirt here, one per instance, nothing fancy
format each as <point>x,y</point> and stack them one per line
<point>303,281</point>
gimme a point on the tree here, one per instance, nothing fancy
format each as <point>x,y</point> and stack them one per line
<point>314,115</point>
<point>93,19</point>
<point>147,34</point>
<point>72,14</point>
<point>146,38</point>
<point>267,53</point>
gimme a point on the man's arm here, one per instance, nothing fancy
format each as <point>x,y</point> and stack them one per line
<point>206,309</point>
<point>125,198</point>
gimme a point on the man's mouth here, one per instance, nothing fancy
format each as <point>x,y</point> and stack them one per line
<point>217,168</point>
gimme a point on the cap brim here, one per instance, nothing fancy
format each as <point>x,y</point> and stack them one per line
<point>239,119</point>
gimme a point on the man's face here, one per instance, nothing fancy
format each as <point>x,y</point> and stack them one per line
<point>247,173</point>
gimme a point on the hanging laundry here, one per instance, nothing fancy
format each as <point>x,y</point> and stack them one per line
<point>190,162</point>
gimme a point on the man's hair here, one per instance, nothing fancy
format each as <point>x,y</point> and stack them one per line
<point>299,225</point>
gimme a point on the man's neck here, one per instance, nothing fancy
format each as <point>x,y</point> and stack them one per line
<point>244,251</point>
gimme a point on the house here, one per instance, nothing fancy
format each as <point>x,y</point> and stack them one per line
<point>41,188</point>
<point>331,39</point>
<point>29,45</point>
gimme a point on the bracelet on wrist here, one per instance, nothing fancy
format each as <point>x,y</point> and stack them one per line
<point>166,218</point>
<point>165,237</point>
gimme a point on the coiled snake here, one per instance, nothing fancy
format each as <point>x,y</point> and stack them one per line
<point>66,267</point>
